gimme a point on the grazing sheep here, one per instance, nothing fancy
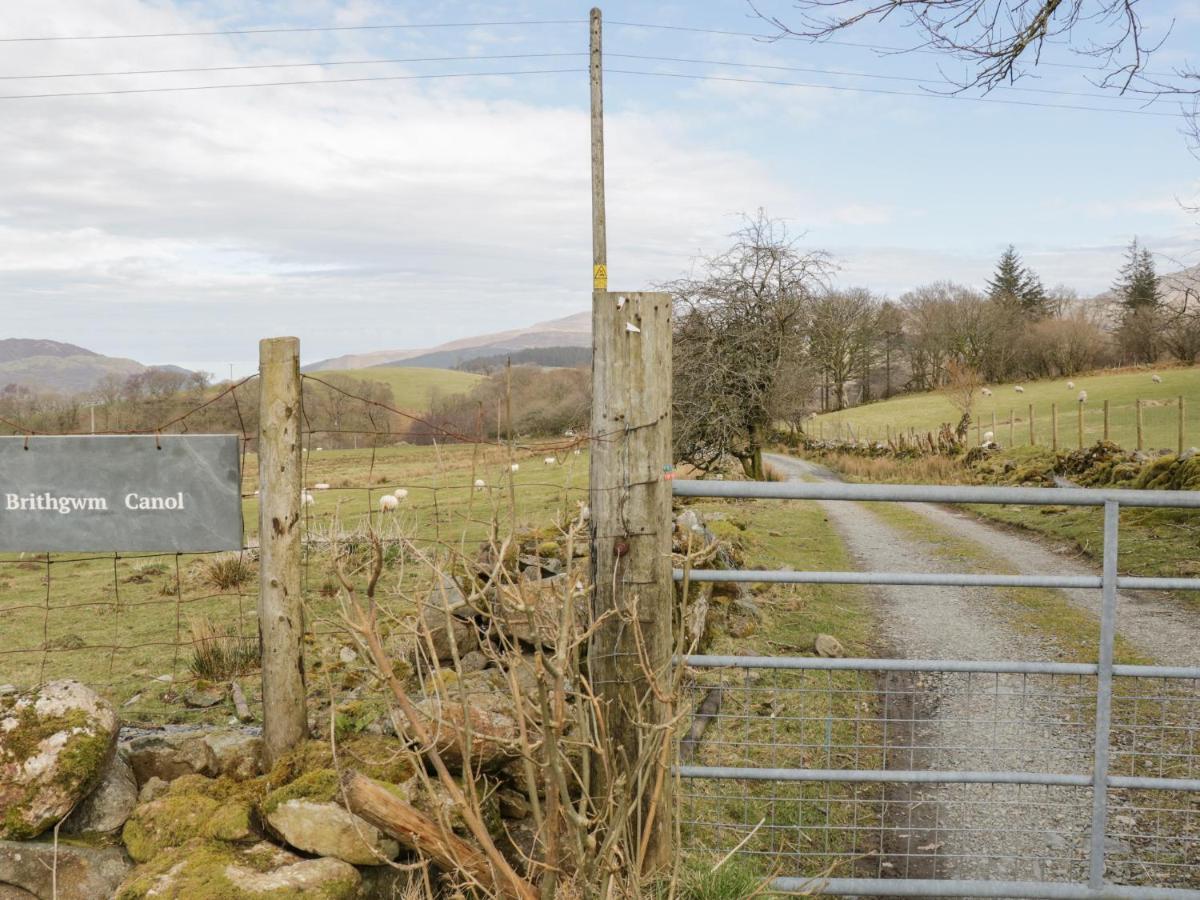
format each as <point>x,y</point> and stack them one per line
<point>307,499</point>
<point>987,437</point>
<point>1083,396</point>
<point>387,503</point>
<point>319,449</point>
<point>1019,389</point>
<point>480,484</point>
<point>550,461</point>
<point>983,391</point>
<point>320,486</point>
<point>516,467</point>
<point>400,493</point>
<point>1070,385</point>
<point>1157,379</point>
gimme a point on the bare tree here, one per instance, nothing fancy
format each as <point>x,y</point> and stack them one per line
<point>739,331</point>
<point>838,324</point>
<point>962,384</point>
<point>1000,38</point>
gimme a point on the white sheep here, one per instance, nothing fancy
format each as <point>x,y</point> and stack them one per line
<point>516,467</point>
<point>400,493</point>
<point>1070,385</point>
<point>1019,389</point>
<point>387,503</point>
<point>319,449</point>
<point>578,452</point>
<point>1083,396</point>
<point>550,461</point>
<point>307,499</point>
<point>480,484</point>
<point>987,437</point>
<point>320,486</point>
<point>983,391</point>
<point>1157,379</point>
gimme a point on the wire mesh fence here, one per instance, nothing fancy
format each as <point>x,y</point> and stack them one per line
<point>164,636</point>
<point>938,774</point>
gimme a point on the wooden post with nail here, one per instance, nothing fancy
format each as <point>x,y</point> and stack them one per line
<point>280,605</point>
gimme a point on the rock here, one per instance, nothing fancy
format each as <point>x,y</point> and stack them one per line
<point>109,804</point>
<point>348,656</point>
<point>475,661</point>
<point>513,804</point>
<point>326,829</point>
<point>261,871</point>
<point>327,878</point>
<point>530,611</point>
<point>55,742</point>
<point>492,716</point>
<point>238,754</point>
<point>203,696</point>
<point>153,789</point>
<point>829,646</point>
<point>10,892</point>
<point>84,873</point>
<point>172,754</point>
<point>169,755</point>
<point>181,816</point>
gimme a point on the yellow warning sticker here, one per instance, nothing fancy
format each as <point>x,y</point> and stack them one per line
<point>599,278</point>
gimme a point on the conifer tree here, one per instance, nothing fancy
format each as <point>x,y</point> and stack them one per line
<point>1137,282</point>
<point>1014,283</point>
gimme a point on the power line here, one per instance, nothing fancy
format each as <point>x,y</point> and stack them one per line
<point>298,65</point>
<point>877,76</point>
<point>881,48</point>
<point>262,84</point>
<point>546,55</point>
<point>299,29</point>
<point>894,93</point>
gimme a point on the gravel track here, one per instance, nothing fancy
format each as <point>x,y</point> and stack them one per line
<point>998,722</point>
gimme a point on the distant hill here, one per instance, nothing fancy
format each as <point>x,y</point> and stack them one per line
<point>571,331</point>
<point>56,366</point>
<point>547,357</point>
<point>413,389</point>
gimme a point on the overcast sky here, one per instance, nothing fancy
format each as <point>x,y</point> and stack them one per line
<point>182,226</point>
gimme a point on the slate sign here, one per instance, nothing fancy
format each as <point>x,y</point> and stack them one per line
<point>120,492</point>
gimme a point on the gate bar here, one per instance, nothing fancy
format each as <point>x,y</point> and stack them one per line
<point>1104,683</point>
<point>987,667</point>
<point>927,887</point>
<point>934,493</point>
<point>934,776</point>
<point>787,576</point>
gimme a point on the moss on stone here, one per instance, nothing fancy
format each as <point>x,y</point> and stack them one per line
<point>319,785</point>
<point>376,756</point>
<point>166,823</point>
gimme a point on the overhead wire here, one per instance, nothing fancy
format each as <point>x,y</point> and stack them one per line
<point>895,93</point>
<point>262,84</point>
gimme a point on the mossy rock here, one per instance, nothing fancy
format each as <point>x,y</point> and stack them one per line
<point>176,819</point>
<point>54,745</point>
<point>376,756</point>
<point>319,785</point>
<point>217,871</point>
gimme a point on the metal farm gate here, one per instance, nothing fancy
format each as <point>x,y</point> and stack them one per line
<point>950,778</point>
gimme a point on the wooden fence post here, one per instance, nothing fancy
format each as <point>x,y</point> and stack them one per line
<point>1106,420</point>
<point>631,551</point>
<point>993,425</point>
<point>1137,406</point>
<point>1054,427</point>
<point>1032,432</point>
<point>280,607</point>
<point>1079,424</point>
<point>1012,427</point>
<point>1179,452</point>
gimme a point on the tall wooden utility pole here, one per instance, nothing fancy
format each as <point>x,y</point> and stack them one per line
<point>630,653</point>
<point>280,607</point>
<point>599,235</point>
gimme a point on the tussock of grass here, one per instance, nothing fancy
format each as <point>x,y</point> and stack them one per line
<point>219,654</point>
<point>228,573</point>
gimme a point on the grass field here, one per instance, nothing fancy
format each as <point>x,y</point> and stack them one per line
<point>926,412</point>
<point>123,623</point>
<point>413,389</point>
